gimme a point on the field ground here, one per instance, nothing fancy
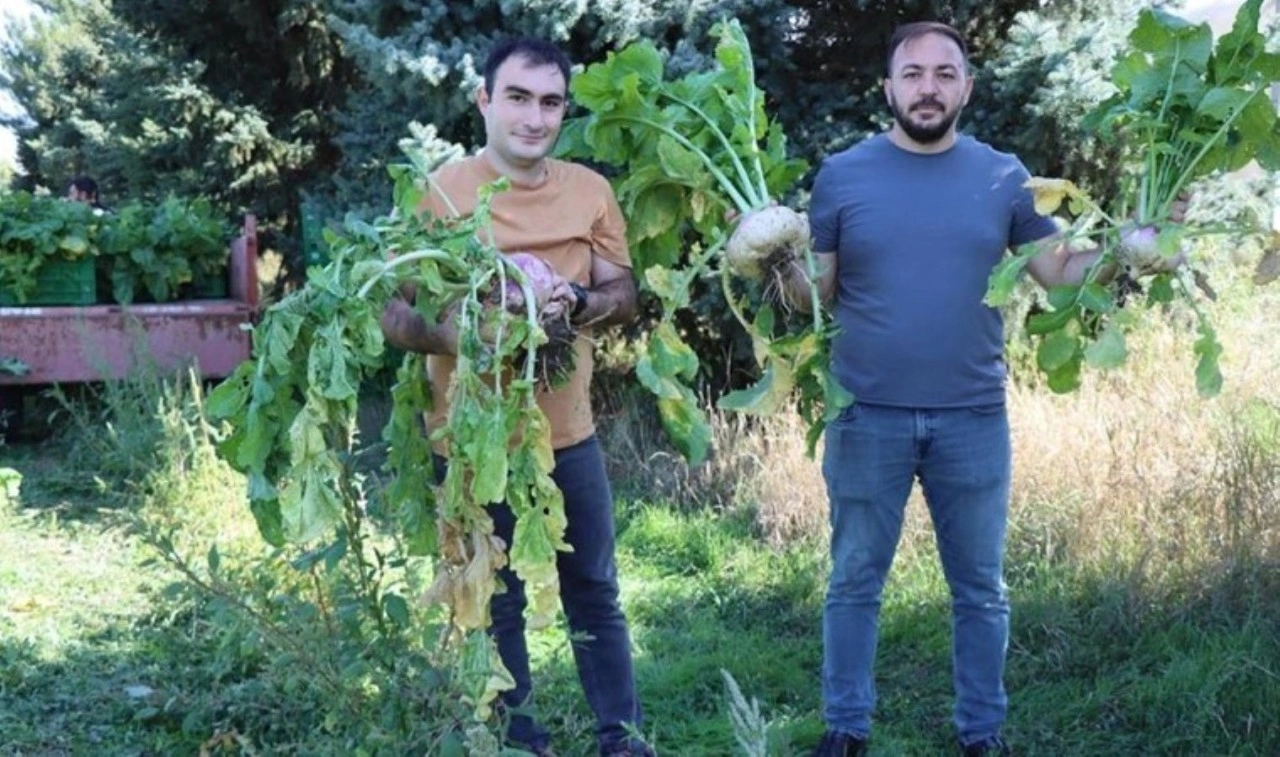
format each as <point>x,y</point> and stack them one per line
<point>1144,571</point>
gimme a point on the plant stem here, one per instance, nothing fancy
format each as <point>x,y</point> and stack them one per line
<point>744,207</point>
<point>530,311</point>
<point>751,108</point>
<point>399,260</point>
<point>815,302</point>
<point>703,258</point>
<point>748,187</point>
<point>1209,144</point>
<point>733,302</point>
<point>433,184</point>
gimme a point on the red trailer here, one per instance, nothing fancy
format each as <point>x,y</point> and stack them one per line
<point>74,344</point>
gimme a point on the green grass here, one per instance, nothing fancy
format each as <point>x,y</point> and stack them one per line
<point>1093,668</point>
<point>98,656</point>
<point>85,649</point>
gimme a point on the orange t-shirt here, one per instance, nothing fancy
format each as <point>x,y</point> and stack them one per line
<point>563,220</point>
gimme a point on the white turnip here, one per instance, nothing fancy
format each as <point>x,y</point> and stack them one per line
<point>766,241</point>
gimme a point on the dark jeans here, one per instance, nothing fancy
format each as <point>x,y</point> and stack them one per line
<point>589,593</point>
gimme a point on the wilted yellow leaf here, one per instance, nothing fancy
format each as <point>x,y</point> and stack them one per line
<point>1050,193</point>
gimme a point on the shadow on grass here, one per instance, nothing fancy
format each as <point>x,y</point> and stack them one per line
<point>1095,667</point>
<point>123,690</point>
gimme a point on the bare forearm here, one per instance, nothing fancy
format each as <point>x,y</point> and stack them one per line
<point>612,303</point>
<point>1077,264</point>
<point>404,328</point>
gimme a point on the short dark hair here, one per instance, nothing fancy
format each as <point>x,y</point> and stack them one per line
<point>538,52</point>
<point>907,32</point>
<point>85,185</point>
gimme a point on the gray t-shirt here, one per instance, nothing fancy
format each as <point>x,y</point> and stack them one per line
<point>916,237</point>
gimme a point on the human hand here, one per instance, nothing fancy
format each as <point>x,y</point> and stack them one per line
<point>1139,251</point>
<point>1140,245</point>
<point>402,326</point>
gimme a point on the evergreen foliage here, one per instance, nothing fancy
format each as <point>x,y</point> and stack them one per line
<point>294,108</point>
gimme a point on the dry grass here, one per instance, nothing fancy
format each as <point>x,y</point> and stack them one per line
<point>1131,467</point>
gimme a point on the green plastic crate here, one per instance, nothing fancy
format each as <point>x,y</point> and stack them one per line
<point>59,282</point>
<point>213,288</point>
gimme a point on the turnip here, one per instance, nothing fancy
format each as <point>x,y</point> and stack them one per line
<point>767,242</point>
<point>1141,251</point>
<point>1186,106</point>
<point>541,276</point>
<point>556,358</point>
<point>703,172</point>
<point>292,408</point>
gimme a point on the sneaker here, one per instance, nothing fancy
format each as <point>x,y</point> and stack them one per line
<point>837,744</point>
<point>992,746</point>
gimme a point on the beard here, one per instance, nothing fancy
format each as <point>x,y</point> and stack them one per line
<point>925,134</point>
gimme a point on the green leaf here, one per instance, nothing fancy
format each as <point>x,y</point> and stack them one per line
<point>1108,351</point>
<point>677,161</point>
<point>309,506</point>
<point>767,396</point>
<point>1066,377</point>
<point>490,481</point>
<point>1167,35</point>
<point>1239,46</point>
<point>661,385</point>
<point>1056,350</point>
<point>686,426</point>
<point>396,609</point>
<point>1003,280</point>
<point>1097,298</point>
<point>266,513</point>
<point>1222,102</point>
<point>74,244</point>
<point>670,353</point>
<point>1054,320</point>
<point>1207,349</point>
<point>596,88</point>
<point>1161,291</point>
<point>1063,297</point>
<point>230,396</point>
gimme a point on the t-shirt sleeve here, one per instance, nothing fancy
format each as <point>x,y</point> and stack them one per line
<point>1026,225</point>
<point>609,232</point>
<point>824,211</point>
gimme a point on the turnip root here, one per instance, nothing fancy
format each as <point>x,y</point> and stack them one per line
<point>555,359</point>
<point>542,280</point>
<point>766,241</point>
<point>1140,251</point>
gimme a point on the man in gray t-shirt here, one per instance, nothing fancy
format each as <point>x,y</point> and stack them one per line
<point>907,227</point>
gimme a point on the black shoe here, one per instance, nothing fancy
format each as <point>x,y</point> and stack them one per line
<point>837,744</point>
<point>992,746</point>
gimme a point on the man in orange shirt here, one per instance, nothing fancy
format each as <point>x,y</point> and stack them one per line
<point>567,215</point>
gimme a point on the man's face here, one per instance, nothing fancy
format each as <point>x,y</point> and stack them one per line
<point>75,195</point>
<point>522,116</point>
<point>927,87</point>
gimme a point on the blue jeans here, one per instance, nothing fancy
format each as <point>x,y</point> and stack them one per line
<point>589,593</point>
<point>962,459</point>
